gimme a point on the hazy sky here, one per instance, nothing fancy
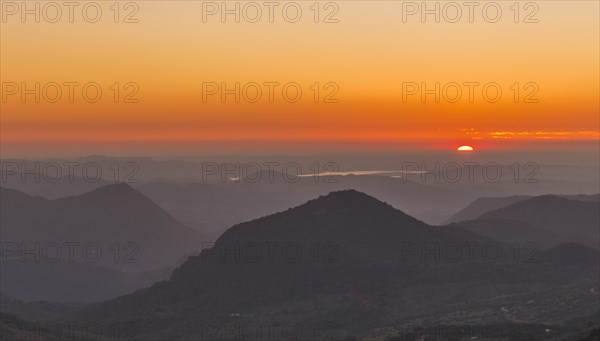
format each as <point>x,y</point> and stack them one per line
<point>370,68</point>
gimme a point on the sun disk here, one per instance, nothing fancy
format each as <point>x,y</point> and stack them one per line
<point>465,149</point>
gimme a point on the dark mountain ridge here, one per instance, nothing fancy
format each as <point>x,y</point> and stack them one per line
<point>486,204</point>
<point>554,214</point>
<point>363,288</point>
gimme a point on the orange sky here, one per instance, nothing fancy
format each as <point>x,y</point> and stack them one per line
<point>367,59</point>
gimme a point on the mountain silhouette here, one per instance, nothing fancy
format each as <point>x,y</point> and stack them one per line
<point>40,185</point>
<point>130,230</point>
<point>362,227</point>
<point>351,245</point>
<point>214,207</point>
<point>345,267</point>
<point>554,214</point>
<point>483,205</point>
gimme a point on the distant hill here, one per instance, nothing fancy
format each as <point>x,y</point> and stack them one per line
<point>484,205</point>
<point>364,228</point>
<point>50,188</point>
<point>554,214</point>
<point>128,229</point>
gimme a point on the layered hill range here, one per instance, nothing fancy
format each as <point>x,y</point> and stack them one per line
<point>546,220</point>
<point>487,204</point>
<point>348,265</point>
<point>98,245</point>
<point>213,203</point>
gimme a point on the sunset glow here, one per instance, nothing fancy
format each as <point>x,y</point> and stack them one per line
<point>170,79</point>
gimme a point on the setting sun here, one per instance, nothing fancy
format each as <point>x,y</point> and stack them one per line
<point>465,149</point>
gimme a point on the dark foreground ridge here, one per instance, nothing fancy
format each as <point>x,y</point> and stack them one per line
<point>357,283</point>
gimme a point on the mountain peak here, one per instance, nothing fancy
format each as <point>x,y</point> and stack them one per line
<point>10,197</point>
<point>109,214</point>
<point>349,193</point>
<point>553,213</point>
<point>365,227</point>
<point>548,197</point>
<point>118,196</point>
<point>116,189</point>
<point>121,186</point>
<point>344,200</point>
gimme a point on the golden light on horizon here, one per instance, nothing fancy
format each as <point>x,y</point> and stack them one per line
<point>186,97</point>
<point>465,148</point>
